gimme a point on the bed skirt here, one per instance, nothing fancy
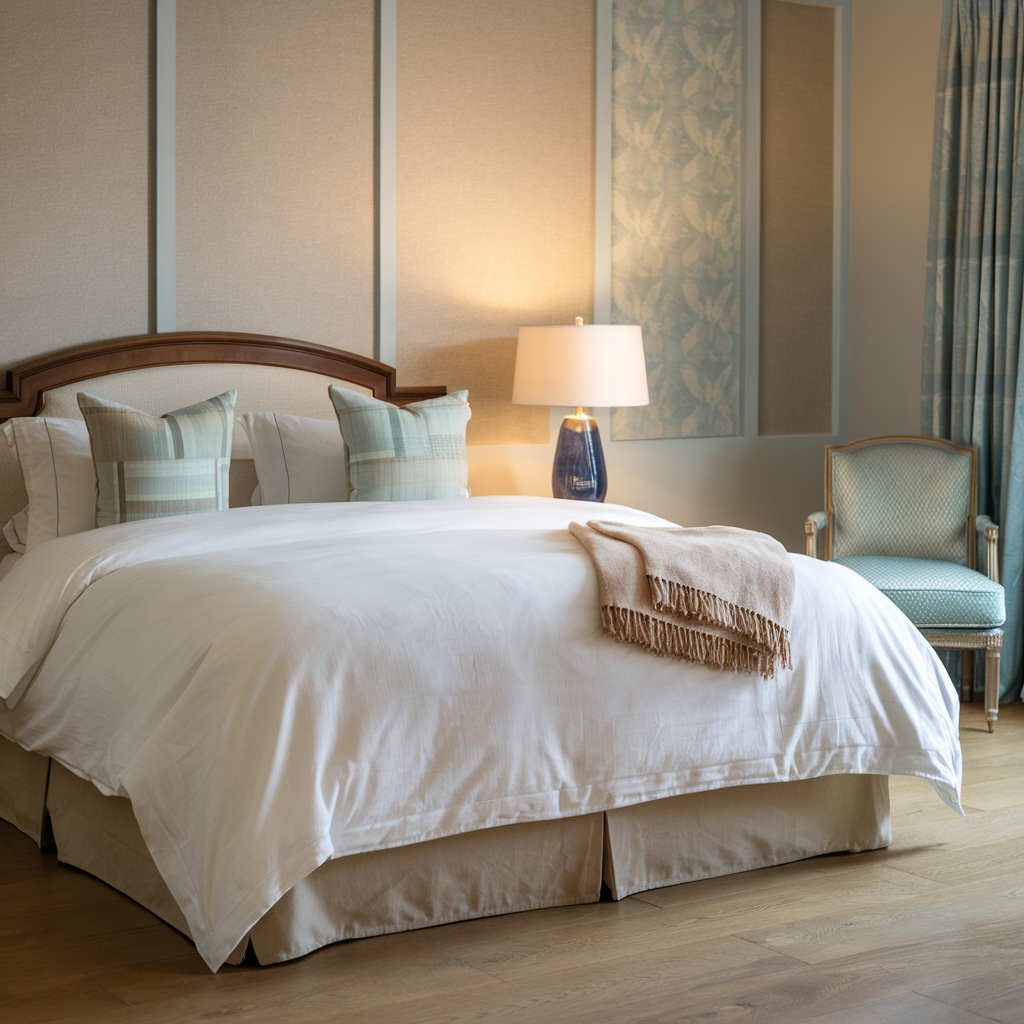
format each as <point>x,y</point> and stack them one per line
<point>478,874</point>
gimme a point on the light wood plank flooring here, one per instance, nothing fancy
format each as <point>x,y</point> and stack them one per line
<point>930,930</point>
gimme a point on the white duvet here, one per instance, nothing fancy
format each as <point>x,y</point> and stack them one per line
<point>275,686</point>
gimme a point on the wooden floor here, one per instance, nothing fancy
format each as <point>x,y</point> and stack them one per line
<point>930,930</point>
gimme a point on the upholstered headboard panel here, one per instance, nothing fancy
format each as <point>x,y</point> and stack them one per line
<point>158,389</point>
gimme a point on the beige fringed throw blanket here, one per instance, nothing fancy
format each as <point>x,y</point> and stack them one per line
<point>716,595</point>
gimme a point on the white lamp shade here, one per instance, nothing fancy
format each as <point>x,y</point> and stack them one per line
<point>580,364</point>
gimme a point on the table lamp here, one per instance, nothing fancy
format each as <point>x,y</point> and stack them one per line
<point>580,365</point>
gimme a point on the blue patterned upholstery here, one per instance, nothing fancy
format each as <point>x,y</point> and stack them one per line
<point>901,498</point>
<point>931,593</point>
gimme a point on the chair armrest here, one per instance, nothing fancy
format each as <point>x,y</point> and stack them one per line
<point>989,562</point>
<point>815,521</point>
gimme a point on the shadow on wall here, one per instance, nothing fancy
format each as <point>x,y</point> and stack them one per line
<point>769,484</point>
<point>486,367</point>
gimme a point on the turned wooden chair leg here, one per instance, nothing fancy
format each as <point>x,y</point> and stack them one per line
<point>992,688</point>
<point>967,675</point>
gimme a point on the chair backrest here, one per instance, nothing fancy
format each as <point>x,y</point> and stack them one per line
<point>907,496</point>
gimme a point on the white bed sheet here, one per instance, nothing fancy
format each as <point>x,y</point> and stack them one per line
<point>275,686</point>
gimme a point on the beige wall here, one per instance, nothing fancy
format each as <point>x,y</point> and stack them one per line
<point>895,63</point>
<point>276,212</point>
<point>495,192</point>
<point>275,175</point>
<point>74,173</point>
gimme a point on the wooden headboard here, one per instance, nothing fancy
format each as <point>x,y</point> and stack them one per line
<point>26,383</point>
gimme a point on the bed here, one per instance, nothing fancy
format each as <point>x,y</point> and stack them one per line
<point>281,726</point>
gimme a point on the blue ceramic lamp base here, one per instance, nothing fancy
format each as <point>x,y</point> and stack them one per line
<point>579,470</point>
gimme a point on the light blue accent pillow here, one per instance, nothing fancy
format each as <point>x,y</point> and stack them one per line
<point>404,454</point>
<point>153,466</point>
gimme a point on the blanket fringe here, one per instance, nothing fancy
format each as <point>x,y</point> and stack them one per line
<point>690,603</point>
<point>671,640</point>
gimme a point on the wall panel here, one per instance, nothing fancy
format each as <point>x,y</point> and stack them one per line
<point>896,48</point>
<point>677,175</point>
<point>276,165</point>
<point>74,173</point>
<point>797,148</point>
<point>495,192</point>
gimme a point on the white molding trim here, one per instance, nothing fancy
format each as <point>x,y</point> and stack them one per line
<point>750,221</point>
<point>841,224</point>
<point>387,185</point>
<point>165,165</point>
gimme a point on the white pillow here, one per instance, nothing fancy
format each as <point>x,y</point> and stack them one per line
<point>16,532</point>
<point>60,477</point>
<point>297,459</point>
<point>8,562</point>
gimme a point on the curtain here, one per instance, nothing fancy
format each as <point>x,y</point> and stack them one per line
<point>972,376</point>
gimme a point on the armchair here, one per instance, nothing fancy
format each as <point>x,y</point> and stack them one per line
<point>901,512</point>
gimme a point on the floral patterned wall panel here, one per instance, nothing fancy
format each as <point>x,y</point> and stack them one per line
<point>676,180</point>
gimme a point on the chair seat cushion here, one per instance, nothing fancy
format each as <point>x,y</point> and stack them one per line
<point>933,594</point>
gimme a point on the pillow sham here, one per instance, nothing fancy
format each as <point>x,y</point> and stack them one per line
<point>298,459</point>
<point>16,532</point>
<point>8,562</point>
<point>148,467</point>
<point>404,454</point>
<point>59,476</point>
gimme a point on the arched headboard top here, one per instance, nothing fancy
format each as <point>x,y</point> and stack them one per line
<point>26,384</point>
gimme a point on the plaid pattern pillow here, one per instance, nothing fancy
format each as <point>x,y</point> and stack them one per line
<point>403,454</point>
<point>152,466</point>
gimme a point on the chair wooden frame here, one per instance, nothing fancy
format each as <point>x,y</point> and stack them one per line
<point>991,640</point>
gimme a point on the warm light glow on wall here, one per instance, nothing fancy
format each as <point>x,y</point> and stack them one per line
<point>495,193</point>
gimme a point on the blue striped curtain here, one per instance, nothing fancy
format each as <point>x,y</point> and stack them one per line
<point>971,390</point>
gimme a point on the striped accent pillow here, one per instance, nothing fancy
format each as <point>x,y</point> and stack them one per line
<point>153,466</point>
<point>403,454</point>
